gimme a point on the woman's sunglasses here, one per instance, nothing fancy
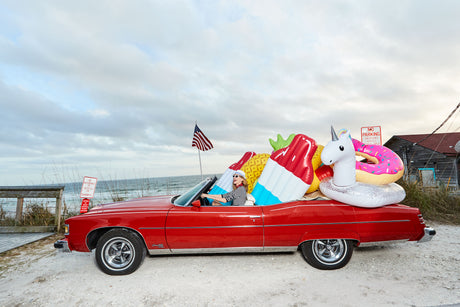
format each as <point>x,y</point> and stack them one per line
<point>236,176</point>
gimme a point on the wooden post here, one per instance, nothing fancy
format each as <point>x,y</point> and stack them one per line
<point>19,207</point>
<point>57,221</point>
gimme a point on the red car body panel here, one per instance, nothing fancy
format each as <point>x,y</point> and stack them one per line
<point>138,215</point>
<point>292,223</point>
<point>214,227</point>
<point>167,228</point>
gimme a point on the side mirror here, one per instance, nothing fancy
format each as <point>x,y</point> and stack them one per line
<point>196,203</point>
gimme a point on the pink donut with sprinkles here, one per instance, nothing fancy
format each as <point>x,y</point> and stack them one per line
<point>385,167</point>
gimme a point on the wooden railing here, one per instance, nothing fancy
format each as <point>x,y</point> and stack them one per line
<point>21,192</point>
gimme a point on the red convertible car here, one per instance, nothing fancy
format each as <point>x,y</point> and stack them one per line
<point>325,231</point>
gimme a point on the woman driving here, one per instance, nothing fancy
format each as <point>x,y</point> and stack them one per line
<point>237,196</point>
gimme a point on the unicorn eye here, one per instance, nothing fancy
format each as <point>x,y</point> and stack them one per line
<point>341,148</point>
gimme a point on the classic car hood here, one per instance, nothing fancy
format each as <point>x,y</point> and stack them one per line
<point>144,203</point>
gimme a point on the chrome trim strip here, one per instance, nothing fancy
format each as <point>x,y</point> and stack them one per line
<point>365,244</point>
<point>281,225</point>
<point>224,250</point>
<point>275,249</point>
<point>163,251</point>
<point>339,223</point>
<point>219,250</point>
<point>216,227</point>
<point>152,228</point>
<point>325,203</point>
<point>113,212</point>
<point>311,205</point>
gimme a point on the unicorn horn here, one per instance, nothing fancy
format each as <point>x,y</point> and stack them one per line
<point>334,135</point>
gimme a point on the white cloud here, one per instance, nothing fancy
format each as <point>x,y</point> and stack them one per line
<point>87,82</point>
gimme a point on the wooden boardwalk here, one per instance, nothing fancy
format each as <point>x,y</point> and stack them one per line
<point>9,241</point>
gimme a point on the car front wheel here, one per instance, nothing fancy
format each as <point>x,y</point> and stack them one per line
<point>119,252</point>
<point>327,254</point>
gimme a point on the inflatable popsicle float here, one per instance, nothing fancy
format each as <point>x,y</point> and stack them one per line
<point>288,173</point>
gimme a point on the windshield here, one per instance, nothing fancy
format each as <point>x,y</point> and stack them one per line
<point>186,198</point>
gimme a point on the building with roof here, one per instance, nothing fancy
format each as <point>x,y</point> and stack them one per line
<point>431,159</point>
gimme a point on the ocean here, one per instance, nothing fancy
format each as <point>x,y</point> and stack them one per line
<point>108,191</point>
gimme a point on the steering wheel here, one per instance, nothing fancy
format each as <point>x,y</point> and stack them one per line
<point>204,201</point>
<point>201,188</point>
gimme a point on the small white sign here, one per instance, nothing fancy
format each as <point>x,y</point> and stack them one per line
<point>88,187</point>
<point>371,135</point>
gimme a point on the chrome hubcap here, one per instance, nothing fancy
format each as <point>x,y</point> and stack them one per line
<point>118,253</point>
<point>329,251</point>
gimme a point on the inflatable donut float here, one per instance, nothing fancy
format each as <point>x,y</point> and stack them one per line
<point>386,166</point>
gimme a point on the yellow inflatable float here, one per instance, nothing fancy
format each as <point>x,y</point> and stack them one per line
<point>316,162</point>
<point>253,169</point>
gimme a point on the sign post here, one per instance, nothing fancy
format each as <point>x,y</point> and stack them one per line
<point>87,192</point>
<point>371,135</point>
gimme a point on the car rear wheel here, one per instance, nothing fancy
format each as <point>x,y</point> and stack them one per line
<point>327,254</point>
<point>119,252</point>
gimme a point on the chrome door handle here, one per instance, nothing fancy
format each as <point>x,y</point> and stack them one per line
<point>255,216</point>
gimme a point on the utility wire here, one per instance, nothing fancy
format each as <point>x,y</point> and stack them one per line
<point>450,115</point>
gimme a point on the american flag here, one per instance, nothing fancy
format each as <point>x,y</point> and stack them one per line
<point>200,140</point>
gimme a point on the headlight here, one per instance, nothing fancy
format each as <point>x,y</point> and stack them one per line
<point>66,229</point>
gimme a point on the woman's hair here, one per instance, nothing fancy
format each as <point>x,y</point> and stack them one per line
<point>245,185</point>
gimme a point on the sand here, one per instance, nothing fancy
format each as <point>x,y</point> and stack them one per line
<point>402,274</point>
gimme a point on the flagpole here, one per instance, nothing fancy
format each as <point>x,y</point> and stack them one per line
<point>201,170</point>
<point>199,157</point>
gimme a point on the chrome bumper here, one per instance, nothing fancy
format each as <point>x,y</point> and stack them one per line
<point>428,235</point>
<point>62,245</point>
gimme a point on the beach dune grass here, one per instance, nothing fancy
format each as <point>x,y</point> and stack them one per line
<point>436,204</point>
<point>35,214</point>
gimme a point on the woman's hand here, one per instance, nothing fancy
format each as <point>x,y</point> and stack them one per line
<point>214,197</point>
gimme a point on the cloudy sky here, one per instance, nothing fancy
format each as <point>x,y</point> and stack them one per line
<point>112,89</point>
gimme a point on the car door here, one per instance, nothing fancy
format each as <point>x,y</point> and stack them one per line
<point>214,228</point>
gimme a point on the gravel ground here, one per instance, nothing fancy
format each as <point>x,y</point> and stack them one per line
<point>403,274</point>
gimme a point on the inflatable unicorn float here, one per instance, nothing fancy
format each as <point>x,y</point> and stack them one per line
<point>377,189</point>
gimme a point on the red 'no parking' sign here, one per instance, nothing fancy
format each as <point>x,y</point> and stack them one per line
<point>84,205</point>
